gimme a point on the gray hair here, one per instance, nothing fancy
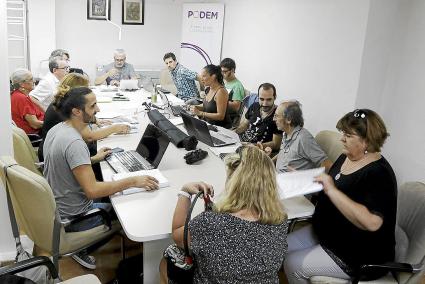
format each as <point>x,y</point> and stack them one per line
<point>59,53</point>
<point>294,113</point>
<point>19,76</point>
<point>54,62</point>
<point>119,51</point>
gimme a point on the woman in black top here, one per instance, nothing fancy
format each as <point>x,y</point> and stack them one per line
<point>214,108</point>
<point>354,220</point>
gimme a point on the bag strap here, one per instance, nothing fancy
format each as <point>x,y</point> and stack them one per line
<point>12,217</point>
<point>189,215</point>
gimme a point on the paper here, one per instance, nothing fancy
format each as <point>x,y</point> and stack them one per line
<point>107,114</point>
<point>163,182</point>
<point>226,149</point>
<point>298,183</point>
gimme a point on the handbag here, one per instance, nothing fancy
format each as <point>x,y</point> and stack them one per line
<point>180,265</point>
<point>40,274</point>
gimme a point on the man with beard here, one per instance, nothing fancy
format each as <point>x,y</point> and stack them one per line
<point>258,126</point>
<point>116,71</point>
<point>67,166</point>
<point>299,149</point>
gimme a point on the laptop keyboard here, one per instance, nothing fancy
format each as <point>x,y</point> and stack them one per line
<point>131,163</point>
<point>217,141</point>
<point>176,110</point>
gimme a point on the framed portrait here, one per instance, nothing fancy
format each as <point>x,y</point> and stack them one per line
<point>133,12</point>
<point>98,9</point>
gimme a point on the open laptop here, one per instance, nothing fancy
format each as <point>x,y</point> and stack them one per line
<point>199,129</point>
<point>176,110</point>
<point>129,84</point>
<point>147,156</point>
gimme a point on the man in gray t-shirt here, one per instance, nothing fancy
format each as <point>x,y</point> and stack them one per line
<point>116,71</point>
<point>299,150</point>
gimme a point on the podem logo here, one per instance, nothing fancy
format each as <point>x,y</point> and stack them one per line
<point>202,14</point>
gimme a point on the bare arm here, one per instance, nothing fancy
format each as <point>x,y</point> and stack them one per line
<point>243,125</point>
<point>94,189</point>
<point>327,164</point>
<point>221,100</point>
<point>275,143</point>
<point>356,213</point>
<point>33,121</point>
<point>100,133</point>
<point>102,78</point>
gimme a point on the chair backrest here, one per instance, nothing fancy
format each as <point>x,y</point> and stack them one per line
<point>330,142</point>
<point>249,99</point>
<point>32,200</point>
<point>23,150</point>
<point>410,230</point>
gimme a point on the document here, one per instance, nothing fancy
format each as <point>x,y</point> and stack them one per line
<point>226,149</point>
<point>107,114</point>
<point>163,181</point>
<point>298,183</point>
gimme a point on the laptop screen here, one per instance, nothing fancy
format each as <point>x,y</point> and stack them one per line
<point>153,145</point>
<point>164,98</point>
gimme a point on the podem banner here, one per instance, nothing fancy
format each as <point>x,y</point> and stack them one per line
<point>202,33</point>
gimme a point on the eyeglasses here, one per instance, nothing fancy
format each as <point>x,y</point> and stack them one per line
<point>66,68</point>
<point>225,71</point>
<point>358,113</point>
<point>119,59</point>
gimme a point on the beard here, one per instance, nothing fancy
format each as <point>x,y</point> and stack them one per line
<point>87,118</point>
<point>266,108</point>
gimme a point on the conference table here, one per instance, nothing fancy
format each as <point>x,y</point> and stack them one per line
<point>147,216</point>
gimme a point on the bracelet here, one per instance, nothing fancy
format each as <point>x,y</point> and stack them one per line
<point>184,194</point>
<point>203,115</point>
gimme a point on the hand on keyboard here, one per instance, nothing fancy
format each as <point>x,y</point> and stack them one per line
<point>100,155</point>
<point>148,182</point>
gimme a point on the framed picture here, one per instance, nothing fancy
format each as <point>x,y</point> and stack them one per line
<point>133,12</point>
<point>97,9</point>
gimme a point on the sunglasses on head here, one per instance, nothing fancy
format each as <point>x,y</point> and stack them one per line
<point>359,113</point>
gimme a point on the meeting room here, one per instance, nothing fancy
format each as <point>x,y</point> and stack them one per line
<point>220,141</point>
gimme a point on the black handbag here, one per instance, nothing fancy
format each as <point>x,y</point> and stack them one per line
<point>180,265</point>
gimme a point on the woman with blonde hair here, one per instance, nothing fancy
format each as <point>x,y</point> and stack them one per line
<point>243,240</point>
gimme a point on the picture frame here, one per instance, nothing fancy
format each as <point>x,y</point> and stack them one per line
<point>133,12</point>
<point>97,9</point>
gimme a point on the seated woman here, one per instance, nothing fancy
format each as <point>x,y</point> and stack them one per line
<point>244,237</point>
<point>214,108</point>
<point>26,115</point>
<point>354,220</point>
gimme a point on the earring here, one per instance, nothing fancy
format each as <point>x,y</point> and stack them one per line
<point>365,152</point>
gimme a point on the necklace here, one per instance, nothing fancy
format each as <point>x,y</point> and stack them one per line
<point>353,165</point>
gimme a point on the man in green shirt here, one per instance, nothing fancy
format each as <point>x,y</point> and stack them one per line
<point>232,84</point>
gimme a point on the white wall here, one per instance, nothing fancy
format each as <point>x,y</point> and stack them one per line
<point>7,248</point>
<point>90,41</point>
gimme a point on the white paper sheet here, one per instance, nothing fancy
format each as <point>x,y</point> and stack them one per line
<point>298,183</point>
<point>163,181</point>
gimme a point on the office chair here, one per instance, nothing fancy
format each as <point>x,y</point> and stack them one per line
<point>35,209</point>
<point>23,152</point>
<point>330,142</point>
<point>39,261</point>
<point>408,267</point>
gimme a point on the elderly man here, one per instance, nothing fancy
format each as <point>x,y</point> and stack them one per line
<point>116,71</point>
<point>183,78</point>
<point>258,126</point>
<point>43,93</point>
<point>299,150</point>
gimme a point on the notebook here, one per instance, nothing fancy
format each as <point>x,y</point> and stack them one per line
<point>162,181</point>
<point>147,156</point>
<point>199,129</point>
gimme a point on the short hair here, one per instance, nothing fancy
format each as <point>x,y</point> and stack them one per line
<point>251,184</point>
<point>228,63</point>
<point>212,69</point>
<point>119,51</point>
<point>266,87</point>
<point>19,76</point>
<point>74,98</point>
<point>293,113</point>
<point>170,55</point>
<point>368,125</point>
<point>54,62</point>
<point>59,53</point>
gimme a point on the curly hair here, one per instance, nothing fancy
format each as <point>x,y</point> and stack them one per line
<point>212,69</point>
<point>68,82</point>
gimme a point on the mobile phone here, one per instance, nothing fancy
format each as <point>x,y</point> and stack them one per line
<point>120,99</point>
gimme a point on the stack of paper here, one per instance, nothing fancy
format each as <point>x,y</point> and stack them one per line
<point>163,182</point>
<point>298,182</point>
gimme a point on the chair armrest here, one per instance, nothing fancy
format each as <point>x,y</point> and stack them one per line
<point>89,214</point>
<point>35,139</point>
<point>388,267</point>
<point>28,264</point>
<point>293,222</point>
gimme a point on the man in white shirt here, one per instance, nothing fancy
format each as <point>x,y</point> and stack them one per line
<point>43,93</point>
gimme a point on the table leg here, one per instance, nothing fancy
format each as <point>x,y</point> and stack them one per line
<point>152,255</point>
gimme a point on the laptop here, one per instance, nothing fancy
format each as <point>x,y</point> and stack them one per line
<point>147,156</point>
<point>176,110</point>
<point>129,84</point>
<point>199,129</point>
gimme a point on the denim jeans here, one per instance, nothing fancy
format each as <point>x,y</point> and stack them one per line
<point>93,221</point>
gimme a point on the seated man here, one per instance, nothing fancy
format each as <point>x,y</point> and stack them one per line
<point>183,78</point>
<point>258,126</point>
<point>68,168</point>
<point>43,93</point>
<point>232,84</point>
<point>299,149</point>
<point>116,71</point>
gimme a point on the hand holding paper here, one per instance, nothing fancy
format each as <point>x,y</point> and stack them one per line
<point>299,182</point>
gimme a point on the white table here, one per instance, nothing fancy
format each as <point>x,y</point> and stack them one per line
<point>146,217</point>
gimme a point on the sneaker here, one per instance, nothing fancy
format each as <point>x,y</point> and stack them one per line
<point>85,260</point>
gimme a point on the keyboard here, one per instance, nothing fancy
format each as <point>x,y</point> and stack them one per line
<point>176,110</point>
<point>217,141</point>
<point>129,161</point>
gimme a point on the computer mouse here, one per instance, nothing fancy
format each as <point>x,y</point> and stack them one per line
<point>212,128</point>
